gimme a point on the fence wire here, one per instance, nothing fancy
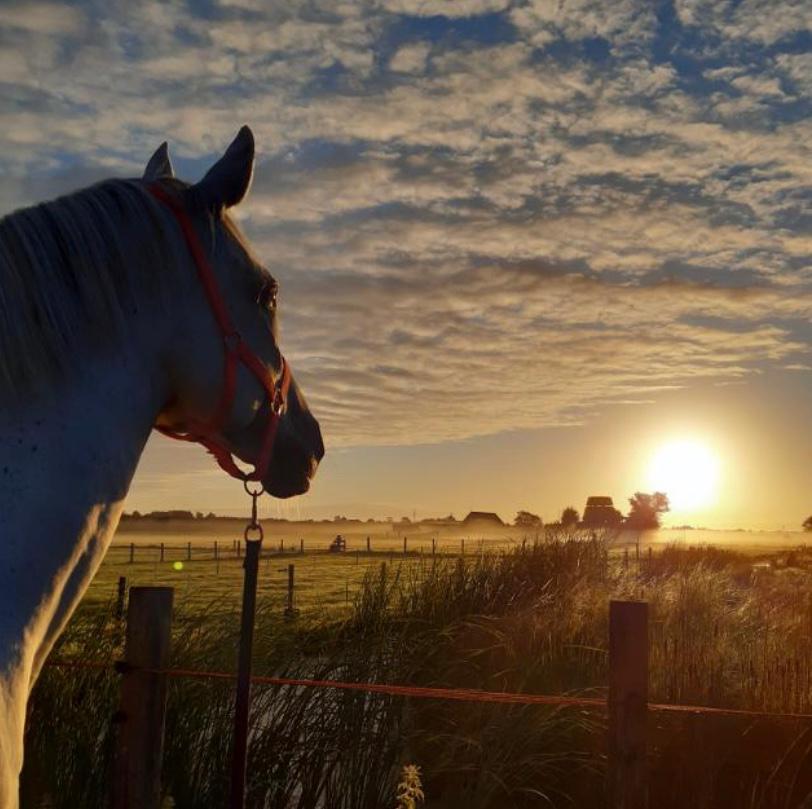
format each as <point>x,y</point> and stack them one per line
<point>422,692</point>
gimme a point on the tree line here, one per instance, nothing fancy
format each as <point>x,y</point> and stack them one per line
<point>644,514</point>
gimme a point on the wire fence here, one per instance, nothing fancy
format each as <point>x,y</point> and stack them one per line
<point>420,692</point>
<point>146,669</point>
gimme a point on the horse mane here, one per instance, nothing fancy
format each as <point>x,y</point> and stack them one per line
<point>72,271</point>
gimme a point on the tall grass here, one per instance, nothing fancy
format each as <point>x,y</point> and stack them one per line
<point>534,621</point>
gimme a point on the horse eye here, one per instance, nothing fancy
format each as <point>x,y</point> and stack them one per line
<point>267,296</point>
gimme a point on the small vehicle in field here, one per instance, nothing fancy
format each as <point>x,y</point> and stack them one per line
<point>338,545</point>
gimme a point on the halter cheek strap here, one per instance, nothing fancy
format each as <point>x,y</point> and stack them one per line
<point>235,351</point>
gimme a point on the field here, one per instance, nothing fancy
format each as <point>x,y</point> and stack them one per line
<point>328,582</point>
<point>728,629</point>
<point>324,581</point>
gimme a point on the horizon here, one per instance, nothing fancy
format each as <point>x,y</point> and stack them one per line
<point>520,252</point>
<point>337,519</point>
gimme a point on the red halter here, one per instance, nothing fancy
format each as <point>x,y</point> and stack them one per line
<point>236,350</point>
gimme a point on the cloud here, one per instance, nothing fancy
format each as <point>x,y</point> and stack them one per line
<point>41,18</point>
<point>490,219</point>
<point>410,59</point>
<point>433,8</point>
<point>762,21</point>
<point>622,22</point>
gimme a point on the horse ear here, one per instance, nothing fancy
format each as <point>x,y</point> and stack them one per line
<point>159,166</point>
<point>226,183</point>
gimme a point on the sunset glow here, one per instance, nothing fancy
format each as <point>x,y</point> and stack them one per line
<point>687,470</point>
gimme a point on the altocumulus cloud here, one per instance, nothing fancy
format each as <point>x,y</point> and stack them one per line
<point>484,215</point>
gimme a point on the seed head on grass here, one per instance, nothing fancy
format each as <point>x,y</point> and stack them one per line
<point>410,788</point>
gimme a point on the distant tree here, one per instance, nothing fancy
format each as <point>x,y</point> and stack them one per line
<point>526,519</point>
<point>646,509</point>
<point>569,517</point>
<point>198,515</point>
<point>808,523</point>
<point>136,514</point>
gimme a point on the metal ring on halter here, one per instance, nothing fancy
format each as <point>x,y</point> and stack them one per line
<point>258,528</point>
<point>278,403</point>
<point>257,493</point>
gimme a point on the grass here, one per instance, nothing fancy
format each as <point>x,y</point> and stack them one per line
<point>325,582</point>
<point>723,632</point>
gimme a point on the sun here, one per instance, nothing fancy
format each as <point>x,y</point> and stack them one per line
<point>687,471</point>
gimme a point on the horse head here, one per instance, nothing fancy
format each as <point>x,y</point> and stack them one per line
<point>230,387</point>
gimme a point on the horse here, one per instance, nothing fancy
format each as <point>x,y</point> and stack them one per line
<point>127,305</point>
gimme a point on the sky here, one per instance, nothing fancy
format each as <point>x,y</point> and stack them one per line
<point>520,244</point>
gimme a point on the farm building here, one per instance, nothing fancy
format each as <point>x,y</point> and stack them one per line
<point>488,517</point>
<point>600,512</point>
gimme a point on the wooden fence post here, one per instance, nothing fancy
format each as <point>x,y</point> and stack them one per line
<point>628,704</point>
<point>404,546</point>
<point>369,545</point>
<point>462,547</point>
<point>139,744</point>
<point>122,591</point>
<point>215,550</point>
<point>290,610</point>
<point>162,551</point>
<point>188,551</point>
<point>132,552</point>
<point>301,546</point>
<point>433,546</point>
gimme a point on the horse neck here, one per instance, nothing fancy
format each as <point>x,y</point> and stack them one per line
<point>66,463</point>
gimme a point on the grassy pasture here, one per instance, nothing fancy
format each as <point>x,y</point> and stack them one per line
<point>325,582</point>
<point>727,629</point>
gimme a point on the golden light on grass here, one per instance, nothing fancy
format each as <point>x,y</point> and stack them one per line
<point>687,470</point>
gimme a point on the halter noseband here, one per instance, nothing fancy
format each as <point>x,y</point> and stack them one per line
<point>206,433</point>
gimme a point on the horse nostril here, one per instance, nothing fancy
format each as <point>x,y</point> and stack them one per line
<point>317,443</point>
<point>319,454</point>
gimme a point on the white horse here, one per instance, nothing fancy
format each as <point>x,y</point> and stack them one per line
<point>105,332</point>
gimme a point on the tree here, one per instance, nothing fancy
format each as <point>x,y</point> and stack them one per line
<point>646,509</point>
<point>569,517</point>
<point>526,519</point>
<point>808,523</point>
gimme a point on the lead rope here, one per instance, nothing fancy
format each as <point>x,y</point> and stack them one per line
<point>253,547</point>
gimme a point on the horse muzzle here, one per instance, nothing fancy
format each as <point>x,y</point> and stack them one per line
<point>296,454</point>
